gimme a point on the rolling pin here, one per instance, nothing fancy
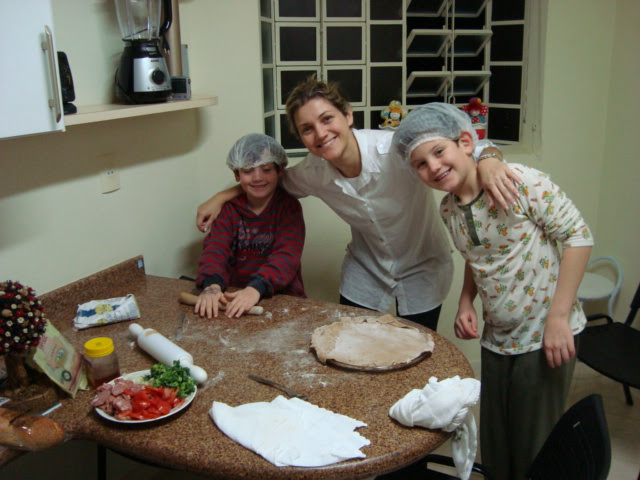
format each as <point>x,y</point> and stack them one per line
<point>190,299</point>
<point>165,351</point>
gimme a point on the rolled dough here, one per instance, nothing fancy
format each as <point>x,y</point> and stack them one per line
<point>370,342</point>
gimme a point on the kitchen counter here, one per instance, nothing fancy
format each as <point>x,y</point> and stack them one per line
<point>274,345</point>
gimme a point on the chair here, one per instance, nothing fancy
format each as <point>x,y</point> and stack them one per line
<point>420,470</point>
<point>595,286</point>
<point>578,448</point>
<point>613,349</point>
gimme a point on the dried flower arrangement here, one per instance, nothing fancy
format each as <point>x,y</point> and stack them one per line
<point>22,323</point>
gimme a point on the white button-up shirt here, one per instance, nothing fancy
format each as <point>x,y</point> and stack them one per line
<point>399,247</point>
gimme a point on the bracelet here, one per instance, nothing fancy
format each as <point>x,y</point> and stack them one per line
<point>488,155</point>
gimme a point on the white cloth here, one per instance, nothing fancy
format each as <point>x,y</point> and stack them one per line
<point>399,247</point>
<point>446,405</point>
<point>291,432</point>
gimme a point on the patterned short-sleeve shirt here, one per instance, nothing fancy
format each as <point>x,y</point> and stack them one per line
<point>515,258</point>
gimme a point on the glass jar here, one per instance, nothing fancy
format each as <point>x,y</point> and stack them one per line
<point>101,361</point>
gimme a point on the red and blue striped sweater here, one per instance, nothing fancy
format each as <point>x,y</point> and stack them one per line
<point>262,251</point>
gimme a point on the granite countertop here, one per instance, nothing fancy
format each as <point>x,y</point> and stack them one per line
<point>274,345</point>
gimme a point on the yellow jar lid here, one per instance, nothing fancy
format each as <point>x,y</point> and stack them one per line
<point>98,347</point>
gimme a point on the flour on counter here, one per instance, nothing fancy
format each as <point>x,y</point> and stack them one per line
<point>213,381</point>
<point>278,339</point>
<point>306,380</point>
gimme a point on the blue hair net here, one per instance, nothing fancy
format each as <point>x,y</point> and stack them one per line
<point>256,149</point>
<point>430,122</point>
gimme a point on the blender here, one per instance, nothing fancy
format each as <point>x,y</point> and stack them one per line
<point>143,76</point>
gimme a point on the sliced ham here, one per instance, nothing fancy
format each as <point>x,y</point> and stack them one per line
<point>111,399</point>
<point>101,398</point>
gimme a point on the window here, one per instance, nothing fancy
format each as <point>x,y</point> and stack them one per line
<point>414,51</point>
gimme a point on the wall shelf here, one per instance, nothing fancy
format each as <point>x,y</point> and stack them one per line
<point>102,113</point>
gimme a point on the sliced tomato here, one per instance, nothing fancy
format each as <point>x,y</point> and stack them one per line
<point>123,415</point>
<point>164,408</point>
<point>149,414</point>
<point>160,405</point>
<point>153,411</point>
<point>155,391</point>
<point>169,395</point>
<point>137,415</point>
<point>140,405</point>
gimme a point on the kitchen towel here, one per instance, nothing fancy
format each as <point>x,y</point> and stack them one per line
<point>291,432</point>
<point>446,405</point>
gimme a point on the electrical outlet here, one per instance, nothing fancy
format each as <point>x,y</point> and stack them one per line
<point>110,175</point>
<point>110,180</point>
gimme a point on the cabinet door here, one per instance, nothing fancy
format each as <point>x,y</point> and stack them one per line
<point>30,80</point>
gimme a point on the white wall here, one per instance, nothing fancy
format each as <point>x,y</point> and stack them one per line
<point>619,194</point>
<point>56,226</point>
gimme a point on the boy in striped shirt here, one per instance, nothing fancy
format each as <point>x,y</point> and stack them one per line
<point>256,242</point>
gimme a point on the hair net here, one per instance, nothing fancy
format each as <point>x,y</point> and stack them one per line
<point>254,150</point>
<point>428,122</point>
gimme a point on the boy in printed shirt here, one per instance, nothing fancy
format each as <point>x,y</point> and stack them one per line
<point>256,242</point>
<point>527,285</point>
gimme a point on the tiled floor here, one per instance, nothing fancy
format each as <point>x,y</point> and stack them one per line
<point>75,460</point>
<point>623,420</point>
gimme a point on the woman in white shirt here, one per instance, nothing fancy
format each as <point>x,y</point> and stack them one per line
<point>396,251</point>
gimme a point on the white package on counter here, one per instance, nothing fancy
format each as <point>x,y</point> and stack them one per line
<point>102,312</point>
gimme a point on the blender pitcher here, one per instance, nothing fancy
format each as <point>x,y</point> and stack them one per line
<point>143,76</point>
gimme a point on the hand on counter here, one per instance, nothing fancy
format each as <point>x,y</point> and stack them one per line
<point>208,301</point>
<point>190,299</point>
<point>241,301</point>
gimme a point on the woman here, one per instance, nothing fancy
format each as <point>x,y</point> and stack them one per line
<point>395,252</point>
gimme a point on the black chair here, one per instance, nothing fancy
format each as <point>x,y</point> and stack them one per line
<point>578,448</point>
<point>613,349</point>
<point>421,471</point>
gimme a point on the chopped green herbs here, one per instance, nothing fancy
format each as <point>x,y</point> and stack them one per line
<point>176,377</point>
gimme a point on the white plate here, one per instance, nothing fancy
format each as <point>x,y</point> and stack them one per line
<point>138,377</point>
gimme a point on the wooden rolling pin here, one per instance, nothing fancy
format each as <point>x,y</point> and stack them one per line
<point>190,299</point>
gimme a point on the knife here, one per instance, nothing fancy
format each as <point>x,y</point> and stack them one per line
<point>190,299</point>
<point>286,390</point>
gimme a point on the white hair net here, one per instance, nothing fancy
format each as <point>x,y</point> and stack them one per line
<point>429,122</point>
<point>256,149</point>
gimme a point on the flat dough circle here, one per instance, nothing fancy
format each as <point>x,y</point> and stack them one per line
<point>370,342</point>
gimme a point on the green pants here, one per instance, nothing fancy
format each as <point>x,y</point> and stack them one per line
<point>521,400</point>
